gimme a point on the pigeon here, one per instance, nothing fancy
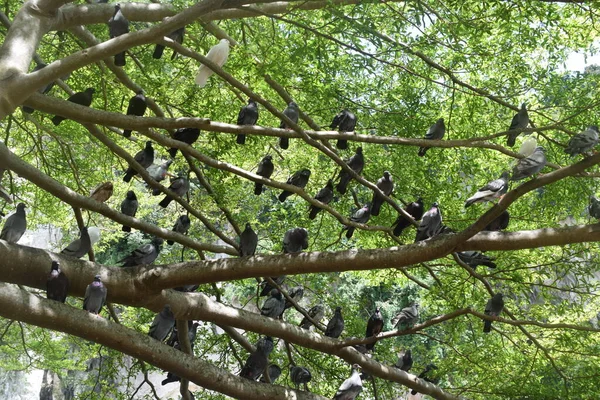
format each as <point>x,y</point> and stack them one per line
<point>407,317</point>
<point>493,308</point>
<point>351,387</point>
<point>325,195</point>
<point>143,157</point>
<point>248,241</point>
<point>335,326</point>
<point>95,296</point>
<point>292,112</point>
<point>583,142</point>
<point>158,172</point>
<point>386,185</point>
<point>80,246</point>
<point>3,192</point>
<point>43,90</point>
<point>162,325</point>
<point>81,98</point>
<point>528,146</point>
<point>57,285</point>
<point>102,192</point>
<point>118,25</point>
<point>180,186</point>
<point>273,307</point>
<point>248,115</point>
<point>500,223</point>
<point>374,327</point>
<point>423,375</point>
<point>267,287</point>
<point>405,361</point>
<point>435,132</point>
<point>129,207</point>
<point>430,224</point>
<point>344,121</point>
<point>299,179</point>
<point>519,121</point>
<point>274,373</point>
<point>176,36</point>
<point>594,207</point>
<point>173,340</point>
<point>143,255</point>
<point>295,240</point>
<point>265,169</point>
<point>217,54</point>
<point>15,225</point>
<point>493,190</point>
<point>296,293</point>
<point>529,166</point>
<point>415,210</point>
<point>316,313</point>
<point>475,258</point>
<point>137,106</point>
<point>257,362</point>
<point>300,376</point>
<point>356,163</point>
<point>185,135</point>
<point>361,216</point>
<point>182,225</point>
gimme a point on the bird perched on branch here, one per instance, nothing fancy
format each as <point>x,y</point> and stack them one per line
<point>583,142</point>
<point>182,225</point>
<point>386,185</point>
<point>519,121</point>
<point>292,112</point>
<point>82,98</point>
<point>374,327</point>
<point>129,207</point>
<point>493,190</point>
<point>299,179</point>
<point>361,216</point>
<point>80,246</point>
<point>176,36</point>
<point>415,210</point>
<point>95,296</point>
<point>265,169</point>
<point>145,254</point>
<point>351,387</point>
<point>137,106</point>
<point>118,25</point>
<point>344,121</point>
<point>57,285</point>
<point>218,54</point>
<point>143,157</point>
<point>180,186</point>
<point>529,166</point>
<point>407,317</point>
<point>257,361</point>
<point>435,132</point>
<point>356,163</point>
<point>325,195</point>
<point>185,135</point>
<point>15,225</point>
<point>248,241</point>
<point>335,326</point>
<point>248,115</point>
<point>431,223</point>
<point>102,192</point>
<point>493,308</point>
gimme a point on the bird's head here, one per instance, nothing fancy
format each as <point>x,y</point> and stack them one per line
<point>21,207</point>
<point>131,195</point>
<point>97,278</point>
<point>55,265</point>
<point>248,225</point>
<point>359,150</point>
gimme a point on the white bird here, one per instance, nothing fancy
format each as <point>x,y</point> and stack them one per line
<point>94,234</point>
<point>217,54</point>
<point>528,146</point>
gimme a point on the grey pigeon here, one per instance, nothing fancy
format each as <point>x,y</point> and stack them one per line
<point>583,142</point>
<point>158,172</point>
<point>274,373</point>
<point>386,185</point>
<point>176,36</point>
<point>300,376</point>
<point>273,307</point>
<point>435,132</point>
<point>180,186</point>
<point>344,121</point>
<point>475,258</point>
<point>594,207</point>
<point>267,287</point>
<point>424,375</point>
<point>265,169</point>
<point>185,135</point>
<point>248,115</point>
<point>295,240</point>
<point>519,121</point>
<point>257,361</point>
<point>325,195</point>
<point>356,163</point>
<point>299,179</point>
<point>143,157</point>
<point>95,296</point>
<point>162,324</point>
<point>173,340</point>
<point>414,209</point>
<point>493,190</point>
<point>81,98</point>
<point>292,112</point>
<point>351,387</point>
<point>407,317</point>
<point>118,25</point>
<point>15,225</point>
<point>374,327</point>
<point>296,293</point>
<point>493,308</point>
<point>182,225</point>
<point>335,326</point>
<point>529,166</point>
<point>43,90</point>
<point>361,216</point>
<point>500,223</point>
<point>316,313</point>
<point>80,246</point>
<point>248,241</point>
<point>137,106</point>
<point>430,224</point>
<point>405,361</point>
<point>129,207</point>
<point>57,285</point>
<point>102,192</point>
<point>143,255</point>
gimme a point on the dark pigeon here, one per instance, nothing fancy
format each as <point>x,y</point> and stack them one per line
<point>80,246</point>
<point>102,192</point>
<point>296,293</point>
<point>386,185</point>
<point>414,209</point>
<point>176,36</point>
<point>430,224</point>
<point>292,112</point>
<point>95,296</point>
<point>185,135</point>
<point>257,362</point>
<point>15,225</point>
<point>493,190</point>
<point>143,255</point>
<point>361,216</point>
<point>583,142</point>
<point>162,325</point>
<point>435,132</point>
<point>500,223</point>
<point>118,25</point>
<point>265,169</point>
<point>316,313</point>
<point>180,186</point>
<point>300,376</point>
<point>274,373</point>
<point>295,240</point>
<point>344,121</point>
<point>267,287</point>
<point>356,163</point>
<point>143,157</point>
<point>299,179</point>
<point>529,166</point>
<point>81,98</point>
<point>159,174</point>
<point>475,258</point>
<point>129,207</point>
<point>273,307</point>
<point>43,90</point>
<point>173,340</point>
<point>182,225</point>
<point>351,387</point>
<point>248,241</point>
<point>519,121</point>
<point>405,361</point>
<point>137,106</point>
<point>407,317</point>
<point>335,326</point>
<point>374,327</point>
<point>493,308</point>
<point>248,115</point>
<point>325,195</point>
<point>57,285</point>
<point>594,207</point>
<point>424,375</point>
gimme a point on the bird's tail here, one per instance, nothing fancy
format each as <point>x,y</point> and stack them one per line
<point>203,74</point>
<point>126,228</point>
<point>57,119</point>
<point>258,187</point>
<point>284,195</point>
<point>28,110</point>
<point>422,151</point>
<point>165,202</point>
<point>342,144</point>
<point>377,202</point>
<point>158,51</point>
<point>284,142</point>
<point>120,59</point>
<point>350,232</point>
<point>510,140</point>
<point>170,242</point>
<point>127,177</point>
<point>241,139</point>
<point>173,152</point>
<point>127,133</point>
<point>313,212</point>
<point>155,192</point>
<point>487,326</point>
<point>341,187</point>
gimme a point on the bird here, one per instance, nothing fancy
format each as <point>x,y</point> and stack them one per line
<point>118,25</point>
<point>182,225</point>
<point>519,121</point>
<point>43,90</point>
<point>528,146</point>
<point>344,121</point>
<point>423,375</point>
<point>273,307</point>
<point>361,216</point>
<point>407,317</point>
<point>267,287</point>
<point>158,172</point>
<point>273,371</point>
<point>82,98</point>
<point>325,195</point>
<point>295,240</point>
<point>3,192</point>
<point>248,115</point>
<point>292,112</point>
<point>129,207</point>
<point>435,132</point>
<point>80,246</point>
<point>415,210</point>
<point>356,163</point>
<point>583,142</point>
<point>137,106</point>
<point>179,186</point>
<point>217,54</point>
<point>265,169</point>
<point>144,254</point>
<point>102,192</point>
<point>529,166</point>
<point>15,225</point>
<point>374,327</point>
<point>335,326</point>
<point>386,185</point>
<point>176,36</point>
<point>257,361</point>
<point>493,308</point>
<point>430,223</point>
<point>185,135</point>
<point>143,157</point>
<point>351,387</point>
<point>316,313</point>
<point>57,284</point>
<point>500,223</point>
<point>299,179</point>
<point>162,324</point>
<point>405,360</point>
<point>248,241</point>
<point>492,190</point>
<point>95,296</point>
<point>300,376</point>
<point>475,258</point>
<point>173,340</point>
<point>594,207</point>
<point>296,293</point>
